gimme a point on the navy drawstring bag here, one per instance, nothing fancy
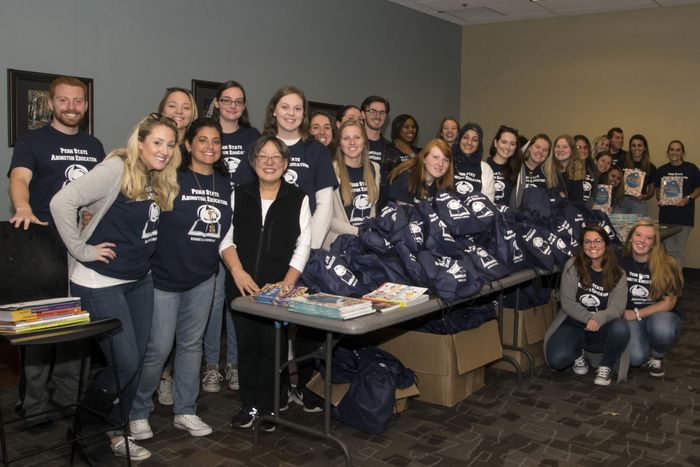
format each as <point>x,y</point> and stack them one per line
<point>482,209</point>
<point>326,272</point>
<point>412,267</point>
<point>503,244</point>
<point>483,261</point>
<point>450,279</point>
<point>536,202</point>
<point>439,240</point>
<point>374,240</point>
<point>535,246</point>
<point>451,210</point>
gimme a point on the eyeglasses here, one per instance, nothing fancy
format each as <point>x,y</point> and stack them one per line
<point>376,113</point>
<point>228,101</point>
<point>276,159</point>
<point>596,242</point>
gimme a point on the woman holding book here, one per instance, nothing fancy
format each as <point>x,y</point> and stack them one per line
<point>593,293</point>
<point>679,211</point>
<point>358,181</point>
<point>654,283</point>
<point>639,185</point>
<point>110,256</point>
<point>270,242</point>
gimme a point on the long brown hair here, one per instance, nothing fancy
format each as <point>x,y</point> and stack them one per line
<point>368,175</point>
<point>611,268</point>
<point>666,276</point>
<point>416,168</point>
<point>270,125</point>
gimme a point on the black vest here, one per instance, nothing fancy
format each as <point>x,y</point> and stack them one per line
<point>265,251</point>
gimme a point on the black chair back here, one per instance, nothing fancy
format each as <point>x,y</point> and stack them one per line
<point>33,264</point>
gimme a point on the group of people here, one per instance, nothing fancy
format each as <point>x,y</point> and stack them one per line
<point>195,211</point>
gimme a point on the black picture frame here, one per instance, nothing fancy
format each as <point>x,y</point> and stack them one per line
<point>204,93</point>
<point>332,109</point>
<point>27,98</point>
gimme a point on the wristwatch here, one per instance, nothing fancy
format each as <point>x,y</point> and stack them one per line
<point>636,313</point>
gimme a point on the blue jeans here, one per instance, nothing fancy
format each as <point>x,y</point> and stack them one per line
<point>132,304</point>
<point>212,336</point>
<point>567,342</point>
<point>657,332</point>
<point>178,317</point>
<point>675,245</point>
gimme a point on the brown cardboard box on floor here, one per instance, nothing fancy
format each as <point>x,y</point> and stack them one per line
<point>338,391</point>
<point>448,367</point>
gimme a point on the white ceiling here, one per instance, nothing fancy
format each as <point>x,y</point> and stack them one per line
<point>468,12</point>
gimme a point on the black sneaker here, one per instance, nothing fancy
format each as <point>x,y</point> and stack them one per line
<point>244,418</point>
<point>266,426</point>
<point>312,403</point>
<point>296,395</point>
<point>655,366</point>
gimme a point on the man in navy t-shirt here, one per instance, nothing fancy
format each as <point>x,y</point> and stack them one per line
<point>375,111</point>
<point>45,160</point>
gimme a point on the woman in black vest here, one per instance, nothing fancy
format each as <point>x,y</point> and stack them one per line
<point>271,243</point>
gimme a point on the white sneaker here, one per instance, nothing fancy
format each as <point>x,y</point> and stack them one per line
<point>193,424</point>
<point>581,365</point>
<point>140,429</point>
<point>603,376</point>
<point>136,452</point>
<point>165,391</point>
<point>211,381</point>
<point>231,377</point>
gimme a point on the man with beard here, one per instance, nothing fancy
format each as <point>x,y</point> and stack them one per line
<point>44,160</point>
<point>375,110</point>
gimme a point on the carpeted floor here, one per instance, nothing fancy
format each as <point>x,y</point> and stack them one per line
<point>554,420</point>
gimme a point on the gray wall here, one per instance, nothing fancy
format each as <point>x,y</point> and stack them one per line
<point>336,51</point>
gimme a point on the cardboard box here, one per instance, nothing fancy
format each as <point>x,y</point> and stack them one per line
<point>531,325</point>
<point>448,367</point>
<point>338,391</point>
<point>536,350</point>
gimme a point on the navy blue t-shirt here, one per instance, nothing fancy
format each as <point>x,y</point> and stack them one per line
<point>467,175</point>
<point>399,190</point>
<point>680,215</point>
<point>534,178</point>
<point>581,190</point>
<point>55,160</point>
<point>638,283</point>
<point>234,150</point>
<point>310,168</point>
<point>503,187</point>
<point>377,149</point>
<point>620,158</point>
<point>200,218</point>
<point>593,298</point>
<point>360,208</point>
<point>133,227</point>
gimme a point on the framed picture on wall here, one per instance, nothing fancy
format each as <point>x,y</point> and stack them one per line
<point>332,109</point>
<point>204,93</point>
<point>28,102</point>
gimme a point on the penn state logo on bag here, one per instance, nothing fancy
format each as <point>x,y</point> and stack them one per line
<point>74,172</point>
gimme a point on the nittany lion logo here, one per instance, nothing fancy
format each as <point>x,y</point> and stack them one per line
<point>290,176</point>
<point>232,164</point>
<point>589,300</point>
<point>463,187</point>
<point>639,291</point>
<point>74,172</point>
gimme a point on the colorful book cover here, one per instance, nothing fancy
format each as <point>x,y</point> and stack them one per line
<point>398,293</point>
<point>633,180</point>
<point>337,302</point>
<point>671,190</point>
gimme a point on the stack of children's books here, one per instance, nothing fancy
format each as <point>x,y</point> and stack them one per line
<point>278,294</point>
<point>330,306</point>
<point>397,295</point>
<point>41,314</point>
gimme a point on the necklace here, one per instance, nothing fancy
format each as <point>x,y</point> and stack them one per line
<point>210,210</point>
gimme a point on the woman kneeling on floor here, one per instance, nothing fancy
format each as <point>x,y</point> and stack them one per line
<point>654,283</point>
<point>593,293</point>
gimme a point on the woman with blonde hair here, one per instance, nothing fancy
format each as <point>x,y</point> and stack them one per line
<point>555,168</point>
<point>420,177</point>
<point>601,144</point>
<point>110,256</point>
<point>654,283</point>
<point>358,181</point>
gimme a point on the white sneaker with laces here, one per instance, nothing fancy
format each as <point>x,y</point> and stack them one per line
<point>231,377</point>
<point>581,365</point>
<point>211,381</point>
<point>193,424</point>
<point>603,376</point>
<point>136,452</point>
<point>165,391</point>
<point>140,429</point>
